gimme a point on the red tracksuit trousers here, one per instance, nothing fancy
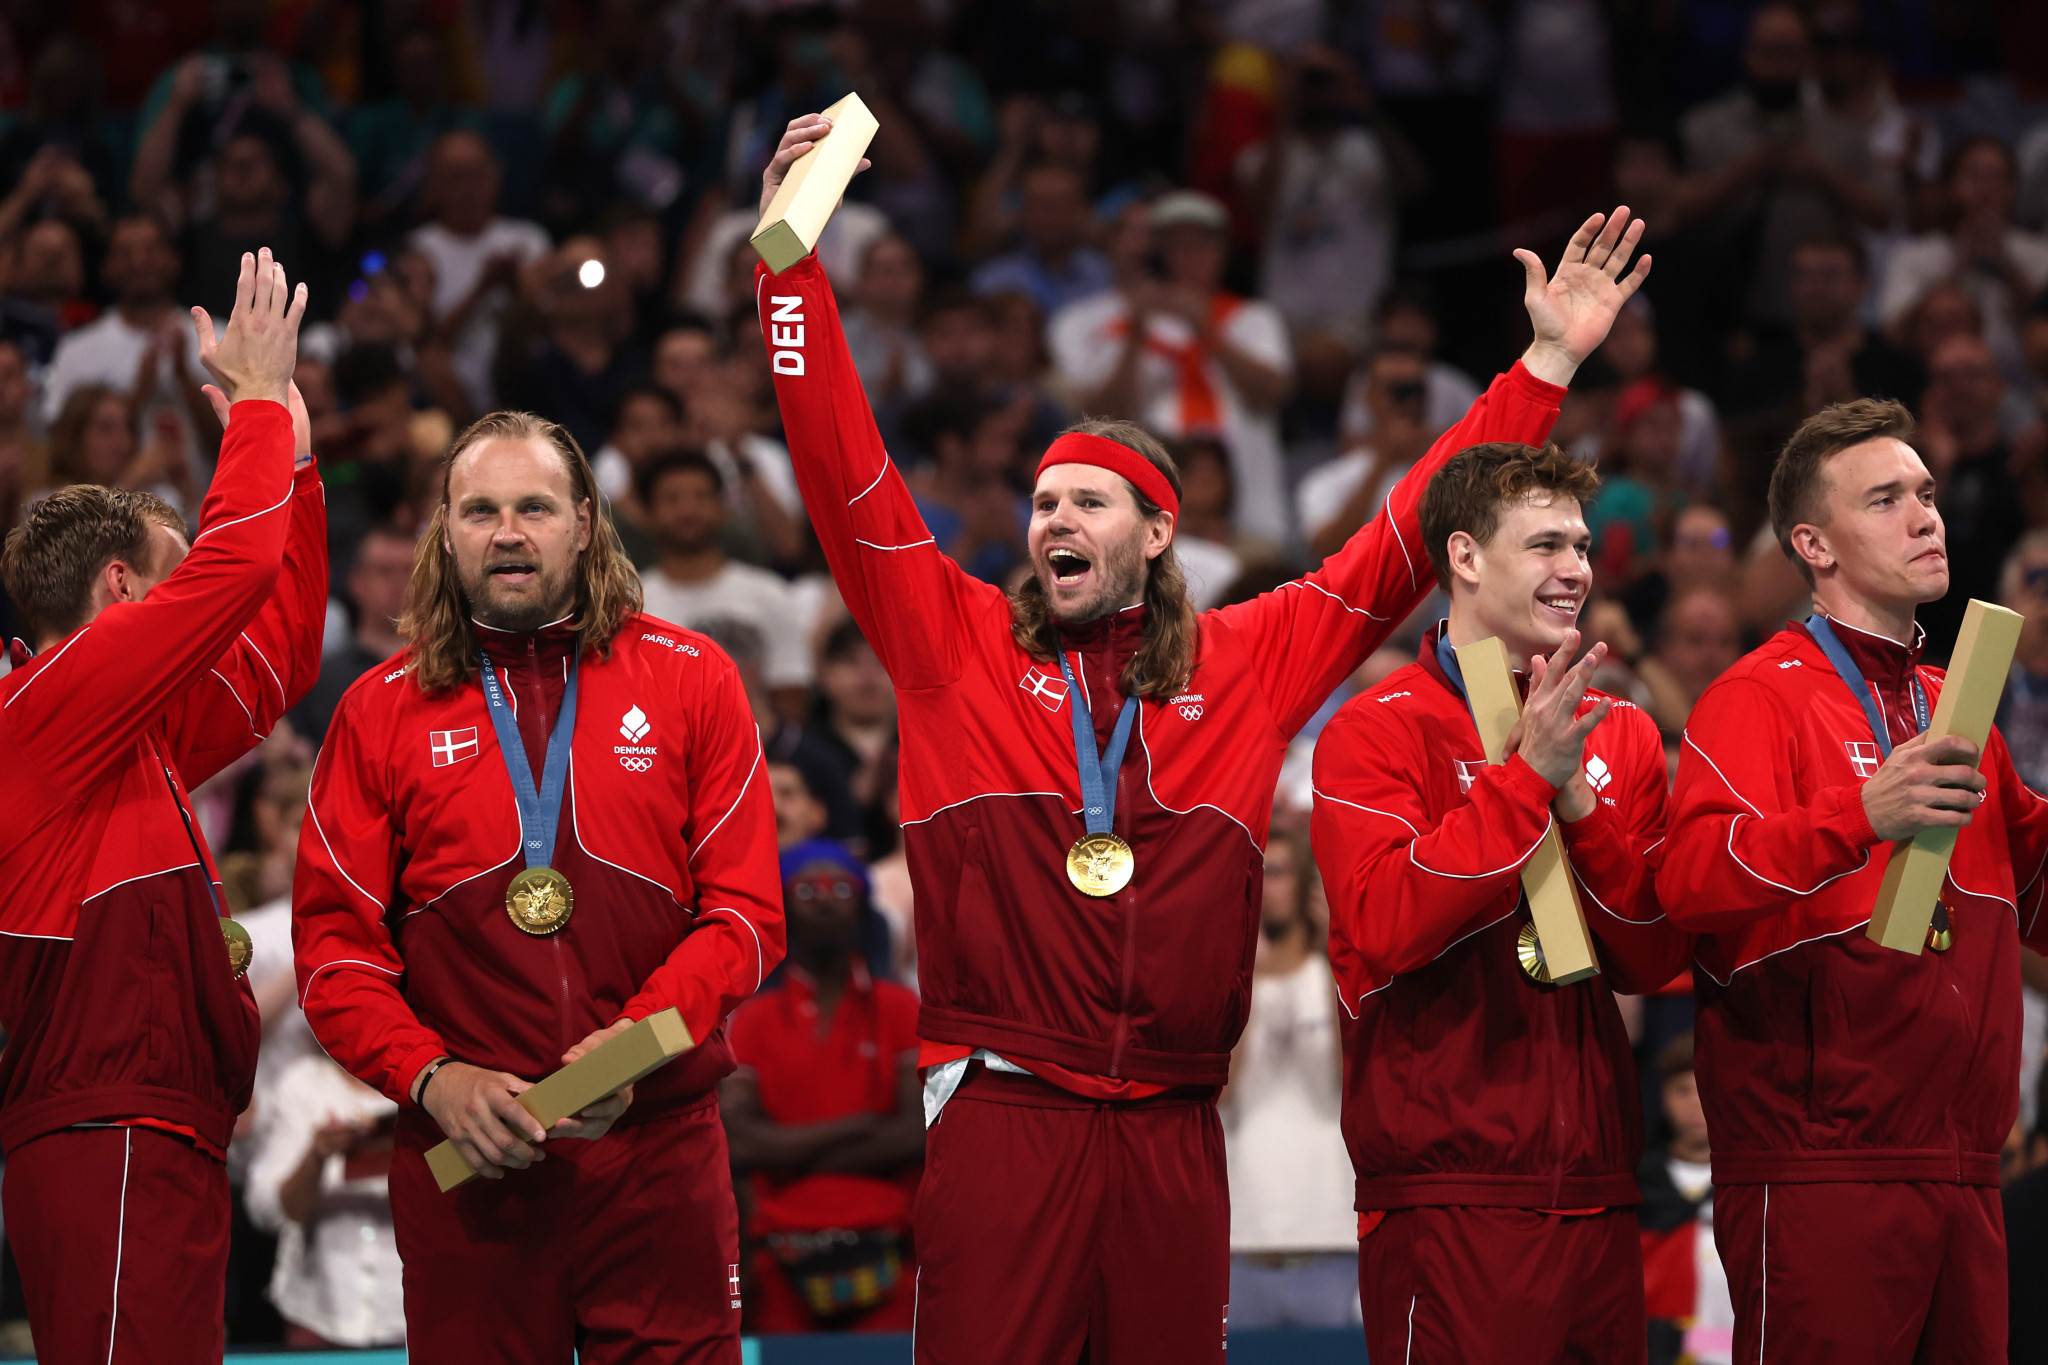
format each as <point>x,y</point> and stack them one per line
<point>1482,1286</point>
<point>622,1249</point>
<point>1048,1223</point>
<point>122,1239</point>
<point>1892,1273</point>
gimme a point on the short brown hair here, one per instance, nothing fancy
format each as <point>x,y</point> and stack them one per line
<point>1797,488</point>
<point>1474,484</point>
<point>53,557</point>
<point>1675,1058</point>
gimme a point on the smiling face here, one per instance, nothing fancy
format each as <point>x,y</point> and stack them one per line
<point>1881,541</point>
<point>1527,582</point>
<point>1090,544</point>
<point>516,532</point>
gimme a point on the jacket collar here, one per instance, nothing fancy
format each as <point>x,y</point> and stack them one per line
<point>1120,632</point>
<point>555,640</point>
<point>1887,663</point>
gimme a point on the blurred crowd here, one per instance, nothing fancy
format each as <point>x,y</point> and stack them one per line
<point>1276,232</point>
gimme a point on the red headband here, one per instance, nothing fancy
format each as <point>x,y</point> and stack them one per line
<point>1077,447</point>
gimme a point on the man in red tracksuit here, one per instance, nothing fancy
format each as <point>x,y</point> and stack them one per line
<point>1492,1115</point>
<point>1857,1095</point>
<point>131,1039</point>
<point>540,732</point>
<point>1085,936</point>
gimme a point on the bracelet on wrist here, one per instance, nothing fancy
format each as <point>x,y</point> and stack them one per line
<point>419,1092</point>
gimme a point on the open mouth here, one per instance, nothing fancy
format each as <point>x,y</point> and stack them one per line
<point>1565,608</point>
<point>514,571</point>
<point>1068,568</point>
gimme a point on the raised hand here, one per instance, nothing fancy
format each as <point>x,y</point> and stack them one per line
<point>797,140</point>
<point>258,350</point>
<point>1551,736</point>
<point>1571,311</point>
<point>295,403</point>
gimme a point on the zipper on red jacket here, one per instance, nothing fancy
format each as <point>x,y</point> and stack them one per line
<point>1128,899</point>
<point>562,1027</point>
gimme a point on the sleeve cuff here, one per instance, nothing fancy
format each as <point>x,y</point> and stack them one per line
<point>1519,376</point>
<point>1849,818</point>
<point>1593,829</point>
<point>409,1072</point>
<point>1526,781</point>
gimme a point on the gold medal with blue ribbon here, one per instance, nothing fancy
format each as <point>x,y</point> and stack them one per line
<point>539,899</point>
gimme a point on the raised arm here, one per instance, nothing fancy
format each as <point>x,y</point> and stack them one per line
<point>910,600</point>
<point>1314,631</point>
<point>273,663</point>
<point>150,653</point>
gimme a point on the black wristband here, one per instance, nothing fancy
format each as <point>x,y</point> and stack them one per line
<point>419,1093</point>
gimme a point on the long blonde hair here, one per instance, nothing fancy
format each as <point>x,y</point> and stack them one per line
<point>1165,659</point>
<point>442,650</point>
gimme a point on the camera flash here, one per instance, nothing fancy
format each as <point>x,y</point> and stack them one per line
<point>590,274</point>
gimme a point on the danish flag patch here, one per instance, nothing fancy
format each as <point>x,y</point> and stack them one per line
<point>452,746</point>
<point>1050,691</point>
<point>1468,773</point>
<point>1863,757</point>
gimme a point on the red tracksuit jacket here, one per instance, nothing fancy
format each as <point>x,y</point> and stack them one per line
<point>1466,1082</point>
<point>1150,985</point>
<point>667,836</point>
<point>114,982</point>
<point>1823,1056</point>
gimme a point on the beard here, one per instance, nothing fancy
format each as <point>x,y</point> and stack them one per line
<point>549,598</point>
<point>1119,582</point>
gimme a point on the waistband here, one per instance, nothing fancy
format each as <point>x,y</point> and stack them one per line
<point>1939,1166</point>
<point>1003,1087</point>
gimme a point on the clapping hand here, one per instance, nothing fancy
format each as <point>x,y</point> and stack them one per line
<point>1572,310</point>
<point>1551,735</point>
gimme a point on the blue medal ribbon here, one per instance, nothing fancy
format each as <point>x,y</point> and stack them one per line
<point>1098,771</point>
<point>1845,668</point>
<point>1447,660</point>
<point>540,812</point>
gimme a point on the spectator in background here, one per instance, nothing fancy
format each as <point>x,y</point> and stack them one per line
<point>143,343</point>
<point>392,139</point>
<point>44,289</point>
<point>693,581</point>
<point>476,255</point>
<point>2023,712</point>
<point>1202,533</point>
<point>1698,638</point>
<point>1825,355</point>
<point>24,460</point>
<point>1630,517</point>
<point>686,359</point>
<point>728,418</point>
<point>320,1179</point>
<point>799,811</point>
<point>1406,321</point>
<point>646,420</point>
<point>881,331</point>
<point>1557,108</point>
<point>1631,349</point>
<point>630,235</point>
<point>94,440</point>
<point>1033,131</point>
<point>62,153</point>
<point>618,127</point>
<point>1326,187</point>
<point>826,1114</point>
<point>856,711</point>
<point>262,846</point>
<point>1692,1317</point>
<point>1185,357</point>
<point>1978,476</point>
<point>786,742</point>
<point>1701,554</point>
<point>967,494</point>
<point>2000,266</point>
<point>53,188</point>
<point>1293,1235</point>
<point>1053,264</point>
<point>1766,161</point>
<point>1341,496</point>
<point>378,570</point>
<point>251,206</point>
<point>579,365</point>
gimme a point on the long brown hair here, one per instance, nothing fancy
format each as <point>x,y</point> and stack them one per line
<point>443,648</point>
<point>1165,660</point>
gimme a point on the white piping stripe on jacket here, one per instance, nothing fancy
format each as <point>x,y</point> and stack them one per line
<point>928,540</point>
<point>760,954</point>
<point>120,1237</point>
<point>239,702</point>
<point>47,667</point>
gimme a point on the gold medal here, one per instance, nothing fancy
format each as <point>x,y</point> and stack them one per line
<point>1529,950</point>
<point>539,901</point>
<point>241,952</point>
<point>1941,933</point>
<point>1100,865</point>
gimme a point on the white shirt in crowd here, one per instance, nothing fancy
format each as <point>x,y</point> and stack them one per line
<point>1917,266</point>
<point>1710,1338</point>
<point>1325,489</point>
<point>340,1276</point>
<point>458,264</point>
<point>1447,392</point>
<point>1086,339</point>
<point>1209,568</point>
<point>108,350</point>
<point>1291,1182</point>
<point>740,592</point>
<point>1330,238</point>
<point>852,229</point>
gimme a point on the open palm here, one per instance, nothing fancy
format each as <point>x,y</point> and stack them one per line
<point>1572,310</point>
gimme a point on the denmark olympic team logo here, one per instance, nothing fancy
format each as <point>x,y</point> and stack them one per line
<point>1190,704</point>
<point>635,757</point>
<point>1191,712</point>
